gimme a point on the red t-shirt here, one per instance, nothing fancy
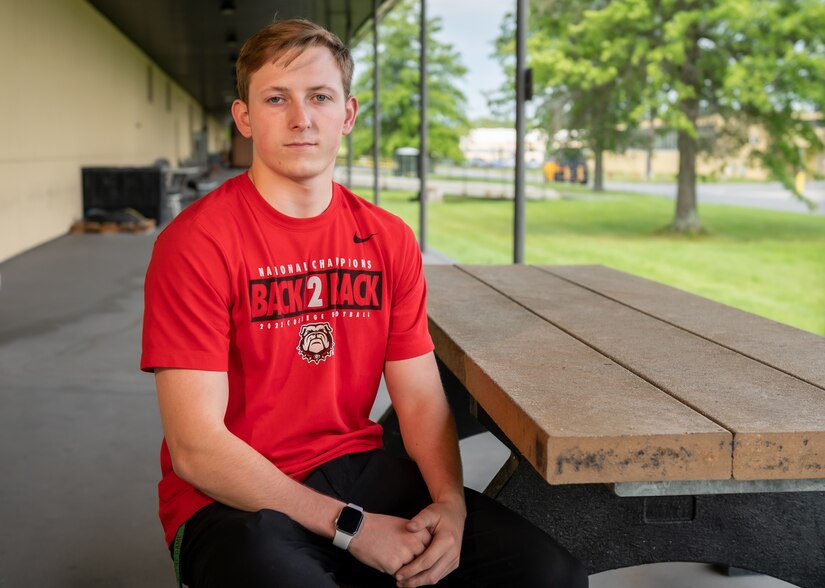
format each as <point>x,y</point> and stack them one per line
<point>301,314</point>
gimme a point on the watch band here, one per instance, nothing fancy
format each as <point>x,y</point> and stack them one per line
<point>343,537</point>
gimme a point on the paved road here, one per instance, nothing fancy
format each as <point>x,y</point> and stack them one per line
<point>770,195</point>
<point>471,182</point>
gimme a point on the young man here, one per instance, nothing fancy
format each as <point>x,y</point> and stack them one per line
<point>273,306</point>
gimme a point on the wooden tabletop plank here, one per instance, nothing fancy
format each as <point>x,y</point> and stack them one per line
<point>778,421</point>
<point>797,352</point>
<point>576,415</point>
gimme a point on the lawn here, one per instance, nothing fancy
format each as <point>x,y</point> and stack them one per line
<point>769,263</point>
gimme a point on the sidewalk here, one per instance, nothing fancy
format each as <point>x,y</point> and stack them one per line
<point>79,431</point>
<point>437,188</point>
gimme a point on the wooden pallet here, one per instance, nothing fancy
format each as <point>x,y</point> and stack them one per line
<point>85,226</point>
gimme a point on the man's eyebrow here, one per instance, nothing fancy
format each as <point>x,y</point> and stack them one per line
<point>284,89</point>
<point>323,88</point>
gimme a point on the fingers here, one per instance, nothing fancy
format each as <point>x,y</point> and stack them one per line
<point>438,560</point>
<point>385,544</point>
<point>426,519</point>
<point>441,568</point>
<point>442,555</point>
<point>409,549</point>
<point>417,544</point>
<point>411,546</point>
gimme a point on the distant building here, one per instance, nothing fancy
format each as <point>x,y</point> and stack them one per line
<point>497,147</point>
<point>728,162</point>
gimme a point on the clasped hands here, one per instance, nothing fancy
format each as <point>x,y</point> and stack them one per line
<point>417,552</point>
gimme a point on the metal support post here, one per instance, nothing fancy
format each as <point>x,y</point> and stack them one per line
<point>521,66</point>
<point>376,107</point>
<point>349,136</point>
<point>423,132</point>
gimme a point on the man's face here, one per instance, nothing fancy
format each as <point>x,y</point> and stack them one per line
<point>296,115</point>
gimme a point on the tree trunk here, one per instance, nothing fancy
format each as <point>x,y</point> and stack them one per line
<point>598,170</point>
<point>651,140</point>
<point>687,216</point>
<point>649,164</point>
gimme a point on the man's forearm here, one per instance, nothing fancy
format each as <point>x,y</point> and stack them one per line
<point>208,456</point>
<point>227,469</point>
<point>432,443</point>
<point>428,430</point>
<point>427,425</point>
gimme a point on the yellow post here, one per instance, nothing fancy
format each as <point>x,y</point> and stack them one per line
<point>800,182</point>
<point>550,169</point>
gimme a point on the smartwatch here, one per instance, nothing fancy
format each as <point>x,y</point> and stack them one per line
<point>347,525</point>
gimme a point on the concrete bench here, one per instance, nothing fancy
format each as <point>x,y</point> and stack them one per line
<point>647,424</point>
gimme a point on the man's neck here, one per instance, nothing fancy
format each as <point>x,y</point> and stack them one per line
<point>293,198</point>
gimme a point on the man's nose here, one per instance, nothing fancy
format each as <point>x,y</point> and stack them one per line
<point>299,116</point>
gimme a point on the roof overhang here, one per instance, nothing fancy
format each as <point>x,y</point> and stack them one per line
<point>196,42</point>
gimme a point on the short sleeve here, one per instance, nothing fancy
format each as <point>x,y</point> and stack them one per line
<point>409,336</point>
<point>187,297</point>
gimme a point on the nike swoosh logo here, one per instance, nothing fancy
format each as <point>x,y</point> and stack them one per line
<point>358,239</point>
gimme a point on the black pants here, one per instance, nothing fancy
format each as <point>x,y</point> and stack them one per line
<point>225,548</point>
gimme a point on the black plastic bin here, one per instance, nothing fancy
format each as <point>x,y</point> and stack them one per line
<point>113,188</point>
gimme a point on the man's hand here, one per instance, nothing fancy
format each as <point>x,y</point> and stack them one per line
<point>445,522</point>
<point>387,543</point>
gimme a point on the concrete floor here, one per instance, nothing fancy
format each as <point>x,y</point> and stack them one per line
<point>79,431</point>
<point>80,435</point>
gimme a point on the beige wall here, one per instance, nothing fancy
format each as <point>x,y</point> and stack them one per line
<point>74,94</point>
<point>632,164</point>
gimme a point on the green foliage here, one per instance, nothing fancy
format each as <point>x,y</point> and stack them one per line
<point>604,66</point>
<point>753,62</point>
<point>501,102</point>
<point>493,122</point>
<point>399,50</point>
<point>775,77</point>
<point>583,77</point>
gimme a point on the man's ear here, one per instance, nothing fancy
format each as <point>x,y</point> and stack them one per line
<point>352,112</point>
<point>240,112</point>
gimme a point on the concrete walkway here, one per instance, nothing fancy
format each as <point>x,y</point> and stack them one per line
<point>438,188</point>
<point>80,434</point>
<point>79,431</point>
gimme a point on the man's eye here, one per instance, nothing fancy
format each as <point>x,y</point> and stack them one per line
<point>321,98</point>
<point>275,100</point>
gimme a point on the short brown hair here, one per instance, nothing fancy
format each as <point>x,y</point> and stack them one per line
<point>284,40</point>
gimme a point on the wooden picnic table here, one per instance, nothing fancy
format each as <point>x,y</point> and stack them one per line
<point>647,424</point>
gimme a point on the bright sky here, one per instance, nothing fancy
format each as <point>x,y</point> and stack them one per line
<point>472,26</point>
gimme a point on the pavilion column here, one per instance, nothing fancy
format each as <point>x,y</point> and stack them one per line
<point>349,136</point>
<point>423,152</point>
<point>521,95</point>
<point>376,107</point>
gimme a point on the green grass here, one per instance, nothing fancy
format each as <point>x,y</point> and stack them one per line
<point>769,263</point>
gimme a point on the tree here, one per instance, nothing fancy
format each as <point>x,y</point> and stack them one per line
<point>738,63</point>
<point>730,63</point>
<point>399,51</point>
<point>579,87</point>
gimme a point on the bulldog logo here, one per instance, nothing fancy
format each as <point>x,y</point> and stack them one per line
<point>316,342</point>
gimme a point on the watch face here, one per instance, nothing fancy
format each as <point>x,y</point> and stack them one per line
<point>349,520</point>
